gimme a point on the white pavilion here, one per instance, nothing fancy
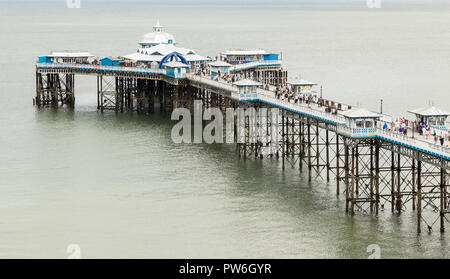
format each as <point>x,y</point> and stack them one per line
<point>157,37</point>
<point>158,44</point>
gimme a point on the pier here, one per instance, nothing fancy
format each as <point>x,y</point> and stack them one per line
<point>374,167</point>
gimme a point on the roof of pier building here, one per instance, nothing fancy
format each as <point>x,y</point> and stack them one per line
<point>70,54</point>
<point>430,111</point>
<point>176,64</point>
<point>220,63</point>
<point>247,82</point>
<point>157,37</point>
<point>298,82</point>
<point>175,58</point>
<point>245,52</point>
<point>360,113</point>
<point>157,53</point>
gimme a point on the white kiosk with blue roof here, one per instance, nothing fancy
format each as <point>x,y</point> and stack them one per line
<point>219,66</point>
<point>434,117</point>
<point>247,89</point>
<point>302,86</point>
<point>360,123</point>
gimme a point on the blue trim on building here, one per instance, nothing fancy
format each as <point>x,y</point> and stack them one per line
<point>271,57</point>
<point>45,59</point>
<point>174,56</point>
<point>110,62</point>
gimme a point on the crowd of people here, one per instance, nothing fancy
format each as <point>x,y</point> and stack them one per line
<point>427,131</point>
<point>287,94</point>
<point>403,125</point>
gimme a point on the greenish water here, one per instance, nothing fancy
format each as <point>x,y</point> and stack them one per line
<point>118,187</point>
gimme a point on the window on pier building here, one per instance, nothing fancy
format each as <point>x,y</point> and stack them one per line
<point>359,123</point>
<point>432,121</point>
<point>369,124</point>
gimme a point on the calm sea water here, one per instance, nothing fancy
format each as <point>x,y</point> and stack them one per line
<point>118,187</point>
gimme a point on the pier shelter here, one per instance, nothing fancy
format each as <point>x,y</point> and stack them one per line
<point>247,88</point>
<point>176,69</point>
<point>434,117</point>
<point>217,67</point>
<point>247,56</point>
<point>68,56</point>
<point>360,123</point>
<point>302,86</point>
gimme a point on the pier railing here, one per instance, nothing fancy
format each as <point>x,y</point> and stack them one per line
<point>213,83</point>
<point>101,68</point>
<point>356,132</point>
<point>268,97</point>
<point>422,145</point>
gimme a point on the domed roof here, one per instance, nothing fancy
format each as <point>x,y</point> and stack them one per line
<point>158,36</point>
<point>173,57</point>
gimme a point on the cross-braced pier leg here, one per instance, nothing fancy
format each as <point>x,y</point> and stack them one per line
<point>55,90</point>
<point>107,94</point>
<point>432,196</point>
<point>361,175</point>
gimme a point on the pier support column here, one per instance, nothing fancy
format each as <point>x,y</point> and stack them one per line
<point>351,188</point>
<point>398,201</point>
<point>107,92</point>
<point>393,180</point>
<point>55,90</point>
<point>443,200</point>
<point>338,166</point>
<point>283,139</point>
<point>327,155</point>
<point>347,176</point>
<point>301,142</point>
<point>419,196</point>
<point>377,177</point>
<point>309,151</point>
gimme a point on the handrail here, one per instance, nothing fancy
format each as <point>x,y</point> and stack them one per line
<point>418,143</point>
<point>214,83</point>
<point>268,96</point>
<point>101,68</point>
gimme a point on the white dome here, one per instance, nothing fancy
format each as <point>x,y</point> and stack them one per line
<point>158,37</point>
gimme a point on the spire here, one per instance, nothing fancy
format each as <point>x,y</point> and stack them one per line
<point>157,27</point>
